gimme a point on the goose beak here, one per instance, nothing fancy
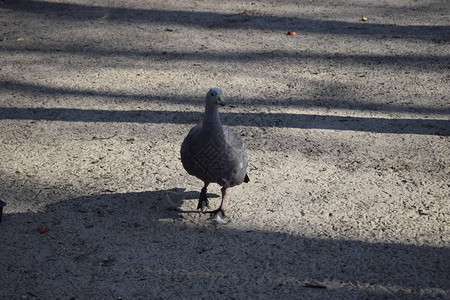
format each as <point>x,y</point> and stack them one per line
<point>220,100</point>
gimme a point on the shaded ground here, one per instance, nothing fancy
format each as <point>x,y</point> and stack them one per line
<point>346,124</point>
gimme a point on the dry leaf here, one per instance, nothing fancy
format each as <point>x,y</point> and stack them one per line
<point>43,229</point>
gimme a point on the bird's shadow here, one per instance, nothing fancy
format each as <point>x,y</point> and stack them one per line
<point>123,207</point>
<point>154,204</point>
<point>177,196</point>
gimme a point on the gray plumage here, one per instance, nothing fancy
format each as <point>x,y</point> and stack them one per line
<point>213,153</point>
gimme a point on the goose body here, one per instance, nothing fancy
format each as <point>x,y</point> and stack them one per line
<point>213,153</point>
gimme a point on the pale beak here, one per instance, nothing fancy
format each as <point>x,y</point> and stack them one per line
<point>220,100</point>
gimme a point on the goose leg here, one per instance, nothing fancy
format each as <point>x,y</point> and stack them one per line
<point>219,214</point>
<point>203,200</point>
<point>221,209</point>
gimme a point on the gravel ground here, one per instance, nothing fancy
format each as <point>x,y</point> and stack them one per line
<point>347,126</point>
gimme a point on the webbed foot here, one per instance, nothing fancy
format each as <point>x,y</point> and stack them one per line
<point>219,216</point>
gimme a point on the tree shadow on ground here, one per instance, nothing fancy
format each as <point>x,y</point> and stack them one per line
<point>140,245</point>
<point>406,125</point>
<point>288,120</point>
<point>418,62</point>
<point>344,101</point>
<point>214,20</point>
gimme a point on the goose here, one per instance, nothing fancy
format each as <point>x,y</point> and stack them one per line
<point>214,154</point>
